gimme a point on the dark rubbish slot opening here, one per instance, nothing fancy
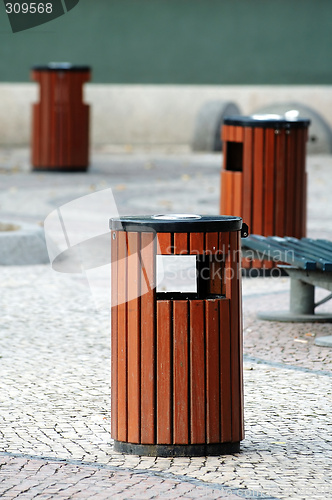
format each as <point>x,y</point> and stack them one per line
<point>234,156</point>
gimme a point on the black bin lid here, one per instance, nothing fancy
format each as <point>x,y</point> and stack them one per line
<point>177,223</point>
<point>60,66</point>
<point>267,121</point>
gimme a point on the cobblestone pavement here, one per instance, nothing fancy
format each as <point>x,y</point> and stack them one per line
<point>55,356</point>
<point>33,477</point>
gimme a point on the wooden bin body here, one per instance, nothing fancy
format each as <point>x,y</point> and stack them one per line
<point>60,120</point>
<point>176,363</point>
<point>263,179</point>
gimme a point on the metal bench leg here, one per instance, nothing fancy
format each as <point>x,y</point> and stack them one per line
<point>302,306</point>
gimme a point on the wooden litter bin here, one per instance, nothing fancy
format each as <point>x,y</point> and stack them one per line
<point>60,121</point>
<point>263,178</point>
<point>176,344</point>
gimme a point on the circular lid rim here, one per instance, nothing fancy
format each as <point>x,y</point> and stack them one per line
<point>221,223</point>
<point>58,67</point>
<point>250,121</point>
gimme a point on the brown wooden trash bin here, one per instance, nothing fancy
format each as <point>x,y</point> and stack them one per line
<point>263,178</point>
<point>60,121</point>
<point>176,344</point>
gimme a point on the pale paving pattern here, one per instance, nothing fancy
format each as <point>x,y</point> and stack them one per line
<point>55,397</point>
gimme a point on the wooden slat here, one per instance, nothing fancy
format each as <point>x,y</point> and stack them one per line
<point>221,183</point>
<point>70,151</point>
<point>77,138</point>
<point>300,175</point>
<point>73,152</point>
<point>75,114</point>
<point>258,191</point>
<point>224,154</point>
<point>53,140</point>
<point>216,272</point>
<point>181,243</point>
<point>51,150</point>
<point>52,145</point>
<point>147,339</point>
<point>36,134</point>
<point>247,182</point>
<point>211,250</point>
<point>45,108</point>
<point>280,182</point>
<point>224,248</point>
<point>85,142</point>
<point>134,341</point>
<point>235,324</point>
<point>291,182</point>
<point>84,113</point>
<point>247,176</point>
<point>228,270</point>
<point>225,372</point>
<point>237,196</point>
<point>269,198</point>
<point>114,335</point>
<point>297,193</point>
<point>164,242</point>
<point>164,372</point>
<point>238,134</point>
<point>211,246</point>
<point>233,133</point>
<point>43,89</point>
<point>235,321</point>
<point>226,204</point>
<point>196,243</point>
<point>197,372</point>
<point>180,373</point>
<point>240,354</point>
<point>247,263</point>
<point>258,187</point>
<point>224,243</point>
<point>122,337</point>
<point>225,133</point>
<point>62,125</point>
<point>223,190</point>
<point>212,372</point>
<point>304,205</point>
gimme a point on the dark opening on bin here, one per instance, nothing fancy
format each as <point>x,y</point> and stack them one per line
<point>234,156</point>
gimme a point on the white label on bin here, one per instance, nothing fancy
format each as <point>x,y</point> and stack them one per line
<point>176,273</point>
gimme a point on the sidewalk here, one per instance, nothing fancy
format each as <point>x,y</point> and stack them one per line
<point>55,355</point>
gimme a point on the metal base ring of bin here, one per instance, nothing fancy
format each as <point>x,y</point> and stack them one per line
<point>164,450</point>
<point>177,386</point>
<point>69,169</point>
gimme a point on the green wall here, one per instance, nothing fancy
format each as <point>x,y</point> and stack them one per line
<point>181,42</point>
